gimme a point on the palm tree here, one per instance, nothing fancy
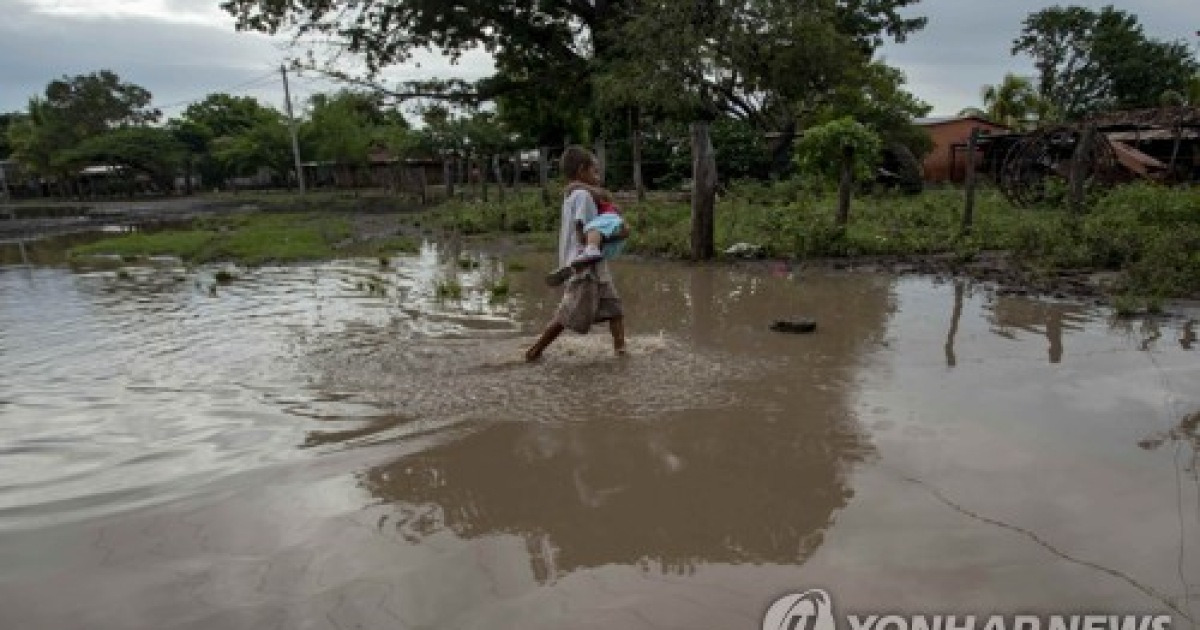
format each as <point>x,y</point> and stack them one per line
<point>1013,103</point>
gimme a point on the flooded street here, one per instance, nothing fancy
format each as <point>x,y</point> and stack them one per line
<point>334,446</point>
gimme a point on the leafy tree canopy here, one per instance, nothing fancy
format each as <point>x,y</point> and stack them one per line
<point>8,121</point>
<point>1090,61</point>
<point>753,58</point>
<point>148,150</point>
<point>820,151</point>
<point>74,109</point>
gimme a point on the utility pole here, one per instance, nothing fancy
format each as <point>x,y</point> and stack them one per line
<point>287,95</point>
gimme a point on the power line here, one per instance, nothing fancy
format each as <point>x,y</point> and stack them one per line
<point>255,82</point>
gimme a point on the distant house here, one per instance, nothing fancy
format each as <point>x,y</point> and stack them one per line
<point>947,162</point>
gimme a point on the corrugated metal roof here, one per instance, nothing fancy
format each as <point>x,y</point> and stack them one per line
<point>941,120</point>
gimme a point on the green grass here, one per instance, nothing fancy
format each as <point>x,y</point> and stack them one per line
<point>185,244</point>
<point>394,245</point>
<point>247,239</point>
<point>1151,234</point>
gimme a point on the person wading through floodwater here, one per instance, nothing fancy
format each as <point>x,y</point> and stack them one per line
<point>579,209</point>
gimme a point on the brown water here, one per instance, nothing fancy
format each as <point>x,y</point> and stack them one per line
<point>297,450</point>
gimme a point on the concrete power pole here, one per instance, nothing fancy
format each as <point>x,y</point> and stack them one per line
<point>287,95</point>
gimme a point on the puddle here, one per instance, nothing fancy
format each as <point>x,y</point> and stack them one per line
<point>332,444</point>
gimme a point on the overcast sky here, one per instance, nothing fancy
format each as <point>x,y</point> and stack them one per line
<point>183,49</point>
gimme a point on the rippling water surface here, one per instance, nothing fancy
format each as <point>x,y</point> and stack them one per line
<point>333,444</point>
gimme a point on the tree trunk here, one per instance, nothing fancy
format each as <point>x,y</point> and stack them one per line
<point>1175,148</point>
<point>1079,169</point>
<point>462,164</point>
<point>968,218</point>
<point>781,151</point>
<point>187,175</point>
<point>448,177</point>
<point>638,184</point>
<point>481,167</point>
<point>423,181</point>
<point>516,174</point>
<point>704,192</point>
<point>499,176</point>
<point>601,155</point>
<point>846,186</point>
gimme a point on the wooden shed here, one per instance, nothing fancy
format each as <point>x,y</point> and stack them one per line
<point>947,161</point>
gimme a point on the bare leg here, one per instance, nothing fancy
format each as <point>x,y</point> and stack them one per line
<point>595,239</point>
<point>548,336</point>
<point>617,327</point>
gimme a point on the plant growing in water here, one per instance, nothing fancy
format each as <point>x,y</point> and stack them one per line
<point>449,288</point>
<point>500,290</point>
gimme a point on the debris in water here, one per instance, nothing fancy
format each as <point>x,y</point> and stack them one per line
<point>795,327</point>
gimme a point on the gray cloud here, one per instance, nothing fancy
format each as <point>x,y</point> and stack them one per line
<point>965,46</point>
<point>968,43</point>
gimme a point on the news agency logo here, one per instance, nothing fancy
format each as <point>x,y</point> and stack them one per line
<point>813,610</point>
<point>810,610</point>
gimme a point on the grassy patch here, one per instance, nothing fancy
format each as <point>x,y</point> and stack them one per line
<point>1151,234</point>
<point>247,239</point>
<point>394,245</point>
<point>185,244</point>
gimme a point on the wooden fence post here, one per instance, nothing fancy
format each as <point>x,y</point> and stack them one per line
<point>423,178</point>
<point>704,192</point>
<point>499,176</point>
<point>544,173</point>
<point>638,183</point>
<point>601,155</point>
<point>846,186</point>
<point>968,217</point>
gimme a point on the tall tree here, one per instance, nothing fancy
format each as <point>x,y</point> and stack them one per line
<point>265,145</point>
<point>343,127</point>
<point>770,63</point>
<point>7,122</point>
<point>1091,61</point>
<point>147,150</point>
<point>217,119</point>
<point>74,109</point>
<point>550,53</point>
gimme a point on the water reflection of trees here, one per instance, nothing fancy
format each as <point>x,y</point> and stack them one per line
<point>1052,319</point>
<point>676,494</point>
<point>757,482</point>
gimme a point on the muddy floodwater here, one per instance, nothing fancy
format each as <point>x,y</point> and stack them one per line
<point>333,446</point>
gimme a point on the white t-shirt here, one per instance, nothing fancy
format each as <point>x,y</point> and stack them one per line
<point>578,206</point>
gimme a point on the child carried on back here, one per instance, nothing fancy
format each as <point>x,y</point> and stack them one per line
<point>603,237</point>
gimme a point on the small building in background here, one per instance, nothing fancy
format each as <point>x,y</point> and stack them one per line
<point>947,162</point>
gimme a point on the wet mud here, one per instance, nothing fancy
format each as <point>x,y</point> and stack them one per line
<point>335,446</point>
